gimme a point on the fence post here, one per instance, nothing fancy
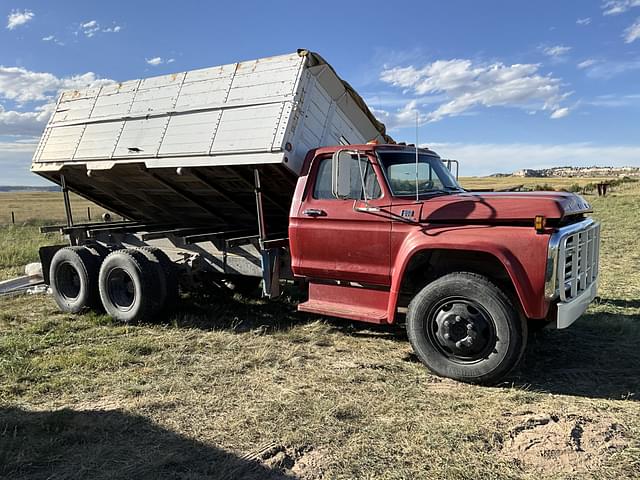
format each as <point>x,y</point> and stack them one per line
<point>13,217</point>
<point>89,213</point>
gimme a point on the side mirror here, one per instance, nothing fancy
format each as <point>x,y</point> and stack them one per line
<point>450,164</point>
<point>341,174</point>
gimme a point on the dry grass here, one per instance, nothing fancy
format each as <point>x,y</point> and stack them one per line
<point>505,182</point>
<point>237,388</point>
<point>34,207</point>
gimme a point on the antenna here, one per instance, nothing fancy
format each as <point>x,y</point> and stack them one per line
<point>417,189</point>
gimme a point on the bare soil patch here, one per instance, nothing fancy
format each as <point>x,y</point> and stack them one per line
<point>572,443</point>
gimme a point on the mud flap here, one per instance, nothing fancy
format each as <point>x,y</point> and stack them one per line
<point>270,258</point>
<point>46,255</point>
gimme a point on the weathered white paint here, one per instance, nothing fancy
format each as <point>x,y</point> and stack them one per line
<point>243,113</point>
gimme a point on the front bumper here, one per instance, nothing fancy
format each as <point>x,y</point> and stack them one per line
<point>569,312</point>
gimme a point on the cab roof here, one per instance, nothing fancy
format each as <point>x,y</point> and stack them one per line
<point>370,148</point>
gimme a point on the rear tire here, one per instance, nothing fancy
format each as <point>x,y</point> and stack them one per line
<point>462,326</point>
<point>73,276</point>
<point>169,274</point>
<point>130,287</point>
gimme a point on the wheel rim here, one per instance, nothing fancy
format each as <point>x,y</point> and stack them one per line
<point>461,330</point>
<point>68,281</point>
<point>121,289</point>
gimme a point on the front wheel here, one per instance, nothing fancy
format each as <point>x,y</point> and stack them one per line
<point>462,326</point>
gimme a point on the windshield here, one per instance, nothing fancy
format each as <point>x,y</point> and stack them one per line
<point>400,169</point>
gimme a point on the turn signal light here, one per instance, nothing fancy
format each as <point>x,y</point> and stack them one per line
<point>538,223</point>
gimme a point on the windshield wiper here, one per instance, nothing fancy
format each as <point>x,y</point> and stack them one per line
<point>438,191</point>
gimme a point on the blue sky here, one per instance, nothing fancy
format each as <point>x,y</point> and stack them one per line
<point>500,85</point>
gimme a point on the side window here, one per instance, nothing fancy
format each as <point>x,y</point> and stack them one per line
<point>322,188</point>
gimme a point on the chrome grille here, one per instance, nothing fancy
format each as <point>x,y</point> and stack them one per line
<point>577,261</point>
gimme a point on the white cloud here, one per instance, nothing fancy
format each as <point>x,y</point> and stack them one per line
<point>615,7</point>
<point>90,28</point>
<point>587,63</point>
<point>19,17</point>
<point>560,113</point>
<point>466,85</point>
<point>23,86</point>
<point>556,51</point>
<point>609,69</point>
<point>155,61</point>
<point>24,124</point>
<point>632,33</point>
<point>485,159</point>
<point>52,39</point>
<point>583,21</point>
<point>614,101</point>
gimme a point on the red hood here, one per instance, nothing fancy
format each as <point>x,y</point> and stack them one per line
<point>497,206</point>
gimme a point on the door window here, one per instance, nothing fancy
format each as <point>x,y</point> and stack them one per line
<point>322,188</point>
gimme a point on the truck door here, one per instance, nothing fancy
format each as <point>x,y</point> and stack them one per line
<point>334,241</point>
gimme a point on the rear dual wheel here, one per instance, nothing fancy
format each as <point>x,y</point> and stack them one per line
<point>137,285</point>
<point>73,275</point>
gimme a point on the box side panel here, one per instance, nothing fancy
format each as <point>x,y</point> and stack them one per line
<point>218,124</point>
<point>239,108</point>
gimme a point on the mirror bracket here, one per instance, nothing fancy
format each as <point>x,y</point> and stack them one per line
<point>341,174</point>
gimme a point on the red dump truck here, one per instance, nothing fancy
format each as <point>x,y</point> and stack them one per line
<point>276,170</point>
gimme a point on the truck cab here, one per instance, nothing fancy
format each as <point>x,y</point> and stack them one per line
<point>384,232</point>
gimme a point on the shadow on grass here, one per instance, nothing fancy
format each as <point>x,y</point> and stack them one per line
<point>595,357</point>
<point>620,303</point>
<point>238,313</point>
<point>110,444</point>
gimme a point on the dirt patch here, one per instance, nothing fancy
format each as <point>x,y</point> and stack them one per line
<point>570,443</point>
<point>302,462</point>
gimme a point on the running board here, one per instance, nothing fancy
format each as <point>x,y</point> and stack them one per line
<point>345,301</point>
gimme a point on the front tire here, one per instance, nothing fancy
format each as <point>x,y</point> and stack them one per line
<point>462,326</point>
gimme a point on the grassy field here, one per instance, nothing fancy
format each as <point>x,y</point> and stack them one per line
<point>30,207</point>
<point>233,387</point>
<point>527,182</point>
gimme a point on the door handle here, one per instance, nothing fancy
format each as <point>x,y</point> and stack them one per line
<point>314,212</point>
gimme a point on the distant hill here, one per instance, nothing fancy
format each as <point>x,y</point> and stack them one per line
<point>579,172</point>
<point>45,188</point>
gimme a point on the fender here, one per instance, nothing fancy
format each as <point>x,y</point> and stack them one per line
<point>521,251</point>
